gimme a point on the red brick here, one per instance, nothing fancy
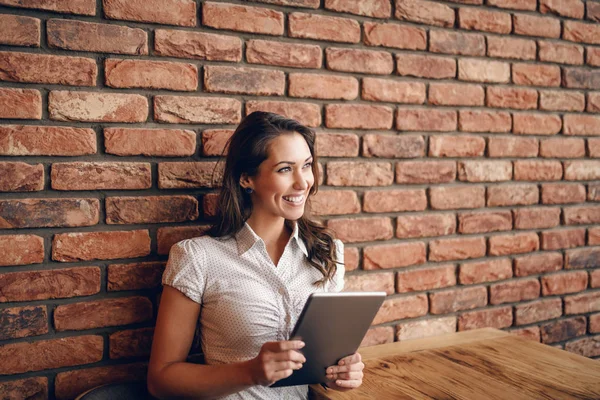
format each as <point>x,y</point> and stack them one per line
<point>582,170</point>
<point>593,11</point>
<point>321,27</point>
<point>351,230</point>
<point>530,5</point>
<point>131,343</point>
<point>484,171</point>
<point>27,140</point>
<point>510,97</point>
<point>377,336</point>
<point>537,170</point>
<point>563,239</point>
<point>431,224</point>
<point>562,101</point>
<point>242,80</point>
<point>581,78</point>
<point>377,8</point>
<point>393,146</point>
<point>54,353</point>
<point>358,116</point>
<point>402,308</point>
<point>84,246</point>
<point>425,12</point>
<point>361,61</point>
<point>587,347</point>
<point>536,311</point>
<point>198,45</point>
<point>353,173</point>
<point>483,20</point>
<point>394,256</point>
<point>582,258</point>
<point>150,209</point>
<point>421,66</point>
<point>181,175</point>
<point>562,148</point>
<point>455,94</point>
<point>536,124</point>
<point>149,142</point>
<point>593,235</point>
<point>41,213</point>
<point>563,283</point>
<point>425,328</point>
<point>16,30</point>
<point>200,110</point>
<point>532,25</point>
<point>386,90</point>
<point>172,12</point>
<point>351,258</point>
<point>485,271</point>
<point>306,113</point>
<point>582,215</point>
<point>383,281</point>
<point>134,276</point>
<point>593,56</point>
<point>536,75</point>
<point>293,3</point>
<point>482,222</point>
<point>167,237</point>
<point>426,278</point>
<point>332,87</point>
<point>593,102</point>
<point>395,200</point>
<point>426,119</point>
<point>102,313</point>
<point>594,280</point>
<point>514,244</point>
<point>336,144</point>
<point>397,36</point>
<point>505,47</point>
<point>150,74</point>
<point>20,104</point>
<point>512,147</point>
<point>70,384</point>
<point>560,52</point>
<point>536,218</point>
<point>582,303</point>
<point>529,333</point>
<point>484,121</point>
<point>565,8</point>
<point>452,300</point>
<point>21,322</point>
<point>466,44</point>
<point>594,147</point>
<point>512,195</point>
<point>21,177</point>
<point>456,146</point>
<point>29,388</point>
<point>83,7</point>
<point>21,250</point>
<point>100,38</point>
<point>581,32</point>
<point>595,323</point>
<point>515,291</point>
<point>456,249</point>
<point>415,172</point>
<point>538,264</point>
<point>334,202</point>
<point>494,318</point>
<point>457,197</point>
<point>283,54</point>
<point>579,124</point>
<point>483,71</point>
<point>97,107</point>
<point>99,176</point>
<point>242,18</point>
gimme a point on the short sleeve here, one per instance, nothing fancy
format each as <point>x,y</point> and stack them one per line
<point>337,284</point>
<point>185,269</point>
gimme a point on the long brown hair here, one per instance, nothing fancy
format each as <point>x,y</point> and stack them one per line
<point>247,149</point>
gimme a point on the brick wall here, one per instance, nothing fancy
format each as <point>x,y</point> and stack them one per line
<point>460,146</point>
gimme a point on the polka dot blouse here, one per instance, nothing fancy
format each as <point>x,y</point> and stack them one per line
<point>246,300</point>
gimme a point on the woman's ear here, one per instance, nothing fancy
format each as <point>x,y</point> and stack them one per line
<point>245,181</point>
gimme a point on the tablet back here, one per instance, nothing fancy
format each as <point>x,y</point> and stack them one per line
<point>332,325</point>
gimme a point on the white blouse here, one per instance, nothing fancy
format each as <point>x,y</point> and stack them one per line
<point>246,300</point>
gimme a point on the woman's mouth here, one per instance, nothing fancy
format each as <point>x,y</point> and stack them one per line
<point>296,200</point>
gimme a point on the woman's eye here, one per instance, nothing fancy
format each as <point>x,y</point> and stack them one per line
<point>308,164</point>
<point>284,169</point>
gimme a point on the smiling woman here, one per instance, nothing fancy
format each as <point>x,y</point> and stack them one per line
<point>248,278</point>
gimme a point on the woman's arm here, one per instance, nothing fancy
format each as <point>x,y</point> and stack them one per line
<point>170,376</point>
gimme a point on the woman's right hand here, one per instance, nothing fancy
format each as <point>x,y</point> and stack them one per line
<point>276,360</point>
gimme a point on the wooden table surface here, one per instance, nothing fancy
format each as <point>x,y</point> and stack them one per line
<point>479,364</point>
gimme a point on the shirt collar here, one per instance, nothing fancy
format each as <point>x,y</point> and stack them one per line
<point>246,238</point>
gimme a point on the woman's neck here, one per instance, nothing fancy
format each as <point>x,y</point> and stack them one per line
<point>270,230</point>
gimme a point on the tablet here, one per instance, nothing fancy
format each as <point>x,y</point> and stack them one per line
<point>332,325</point>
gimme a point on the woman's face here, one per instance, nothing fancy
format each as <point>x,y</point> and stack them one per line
<point>284,179</point>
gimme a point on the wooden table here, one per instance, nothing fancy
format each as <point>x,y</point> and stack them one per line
<point>479,364</point>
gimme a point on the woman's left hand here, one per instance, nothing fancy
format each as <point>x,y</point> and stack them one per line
<point>347,374</point>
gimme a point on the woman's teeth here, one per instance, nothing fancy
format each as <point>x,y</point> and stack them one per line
<point>294,199</point>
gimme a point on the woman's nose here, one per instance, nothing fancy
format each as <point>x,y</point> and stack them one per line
<point>300,182</point>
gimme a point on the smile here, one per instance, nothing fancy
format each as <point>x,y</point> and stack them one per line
<point>294,199</point>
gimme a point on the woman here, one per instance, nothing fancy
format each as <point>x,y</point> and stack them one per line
<point>249,277</point>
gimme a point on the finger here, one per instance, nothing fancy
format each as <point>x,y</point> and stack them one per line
<point>335,369</point>
<point>351,359</point>
<point>354,375</point>
<point>289,355</point>
<point>352,383</point>
<point>282,374</point>
<point>285,365</point>
<point>286,345</point>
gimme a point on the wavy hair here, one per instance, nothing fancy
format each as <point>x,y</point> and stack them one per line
<point>247,149</point>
